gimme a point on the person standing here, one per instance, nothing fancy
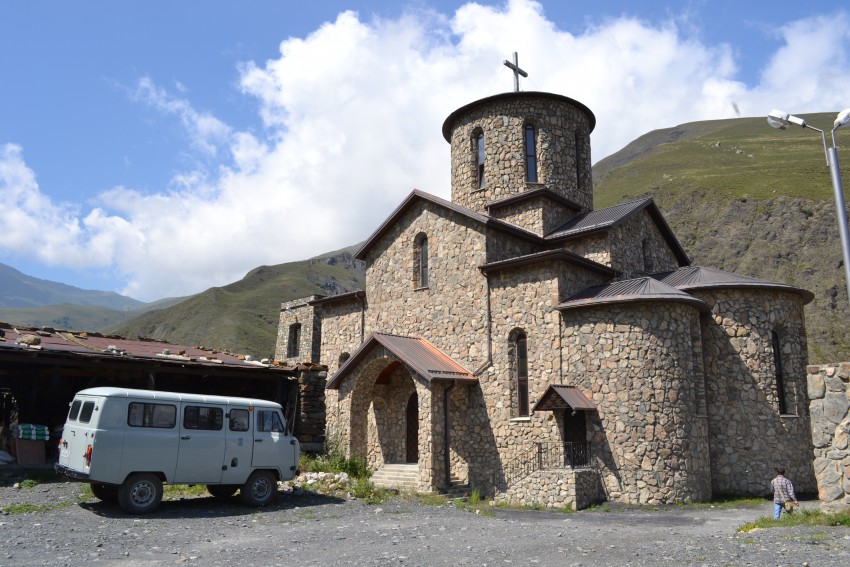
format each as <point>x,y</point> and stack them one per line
<point>783,491</point>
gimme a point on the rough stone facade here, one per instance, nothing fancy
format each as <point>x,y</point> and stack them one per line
<point>676,388</point>
<point>829,392</point>
<point>563,149</point>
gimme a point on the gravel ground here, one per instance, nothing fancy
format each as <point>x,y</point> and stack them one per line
<point>318,530</point>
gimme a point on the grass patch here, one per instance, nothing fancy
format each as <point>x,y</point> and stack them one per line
<point>178,491</point>
<point>33,508</point>
<point>334,461</point>
<point>800,518</point>
<point>430,498</point>
<point>34,478</point>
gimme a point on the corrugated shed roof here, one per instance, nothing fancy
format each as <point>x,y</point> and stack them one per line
<point>418,354</point>
<point>95,345</point>
<point>560,396</point>
<point>630,291</point>
<point>696,277</point>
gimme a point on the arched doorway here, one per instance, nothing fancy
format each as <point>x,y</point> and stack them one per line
<point>412,428</point>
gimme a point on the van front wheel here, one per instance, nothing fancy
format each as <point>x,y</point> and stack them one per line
<point>260,489</point>
<point>141,493</point>
<point>105,492</point>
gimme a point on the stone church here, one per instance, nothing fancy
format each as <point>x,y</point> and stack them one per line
<point>517,341</point>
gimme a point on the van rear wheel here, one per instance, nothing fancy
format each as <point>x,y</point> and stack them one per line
<point>105,492</point>
<point>222,490</point>
<point>141,493</point>
<point>260,489</point>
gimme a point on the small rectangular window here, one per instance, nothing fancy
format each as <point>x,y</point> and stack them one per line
<point>75,410</point>
<point>239,420</point>
<point>161,416</point>
<point>202,417</point>
<point>292,347</point>
<point>85,414</point>
<point>269,420</point>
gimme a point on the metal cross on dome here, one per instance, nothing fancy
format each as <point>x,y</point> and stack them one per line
<point>517,71</point>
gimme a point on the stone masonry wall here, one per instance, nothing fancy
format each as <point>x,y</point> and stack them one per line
<point>454,303</point>
<point>638,248</point>
<point>749,437</point>
<point>310,427</point>
<point>563,150</point>
<point>574,488</point>
<point>539,215</point>
<point>829,392</point>
<point>342,331</point>
<point>635,362</point>
<point>299,311</point>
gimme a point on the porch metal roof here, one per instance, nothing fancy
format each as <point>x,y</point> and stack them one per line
<point>418,354</point>
<point>560,396</point>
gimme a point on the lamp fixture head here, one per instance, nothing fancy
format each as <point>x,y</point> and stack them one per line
<point>842,118</point>
<point>782,120</point>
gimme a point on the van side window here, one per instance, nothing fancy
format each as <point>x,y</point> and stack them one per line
<point>238,420</point>
<point>269,420</point>
<point>75,410</point>
<point>85,414</point>
<point>199,417</point>
<point>151,415</point>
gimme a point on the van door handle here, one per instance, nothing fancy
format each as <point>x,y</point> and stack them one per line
<point>258,440</point>
<point>185,437</point>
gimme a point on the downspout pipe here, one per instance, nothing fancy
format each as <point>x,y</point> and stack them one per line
<point>447,394</point>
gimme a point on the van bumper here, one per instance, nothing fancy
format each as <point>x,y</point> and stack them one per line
<point>76,475</point>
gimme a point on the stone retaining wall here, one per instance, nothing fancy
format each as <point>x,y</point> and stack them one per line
<point>561,488</point>
<point>829,395</point>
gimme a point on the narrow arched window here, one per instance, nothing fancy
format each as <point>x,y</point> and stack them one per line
<point>521,365</point>
<point>530,153</point>
<point>292,347</point>
<point>421,262</point>
<point>479,150</point>
<point>647,256</point>
<point>780,379</point>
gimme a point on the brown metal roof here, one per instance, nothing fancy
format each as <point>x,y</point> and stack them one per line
<point>358,294</point>
<point>696,277</point>
<point>549,256</point>
<point>559,396</point>
<point>630,291</point>
<point>95,345</point>
<point>418,195</point>
<point>606,219</point>
<point>416,353</point>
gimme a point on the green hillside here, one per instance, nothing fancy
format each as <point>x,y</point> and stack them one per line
<point>744,197</point>
<point>77,317</point>
<point>243,316</point>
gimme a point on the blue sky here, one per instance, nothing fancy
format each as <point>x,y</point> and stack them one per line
<point>161,148</point>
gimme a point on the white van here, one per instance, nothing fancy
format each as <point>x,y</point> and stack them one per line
<point>126,443</point>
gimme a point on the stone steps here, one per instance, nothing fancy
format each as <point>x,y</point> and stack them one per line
<point>399,476</point>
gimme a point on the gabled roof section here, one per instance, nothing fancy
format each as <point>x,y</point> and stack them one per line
<point>559,396</point>
<point>630,291</point>
<point>534,193</point>
<point>417,196</point>
<point>418,354</point>
<point>549,256</point>
<point>696,277</point>
<point>604,220</point>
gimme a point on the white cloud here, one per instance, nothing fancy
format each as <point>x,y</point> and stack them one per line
<point>352,116</point>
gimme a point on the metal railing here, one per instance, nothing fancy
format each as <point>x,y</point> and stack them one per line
<point>545,456</point>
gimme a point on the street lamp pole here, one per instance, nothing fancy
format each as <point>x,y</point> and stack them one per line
<point>782,120</point>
